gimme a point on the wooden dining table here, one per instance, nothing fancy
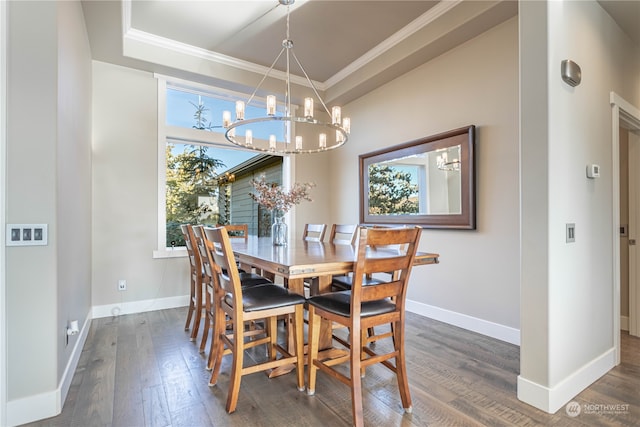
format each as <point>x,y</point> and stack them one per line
<point>300,260</point>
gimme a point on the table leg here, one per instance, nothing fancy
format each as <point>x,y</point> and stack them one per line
<point>297,286</point>
<point>326,330</point>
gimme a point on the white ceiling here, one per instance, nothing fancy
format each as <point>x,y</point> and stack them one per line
<point>346,47</point>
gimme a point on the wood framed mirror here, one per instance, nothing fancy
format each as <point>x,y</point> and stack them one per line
<point>429,182</point>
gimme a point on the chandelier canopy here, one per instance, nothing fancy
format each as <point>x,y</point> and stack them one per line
<point>300,133</point>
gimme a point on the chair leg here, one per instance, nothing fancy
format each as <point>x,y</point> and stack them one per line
<point>299,345</point>
<point>236,368</point>
<point>205,333</point>
<point>272,333</point>
<point>192,307</point>
<point>401,367</point>
<point>198,310</point>
<point>314,337</point>
<point>217,345</point>
<point>356,380</point>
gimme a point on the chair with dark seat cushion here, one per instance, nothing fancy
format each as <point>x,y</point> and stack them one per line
<point>249,304</point>
<point>378,251</point>
<point>246,280</point>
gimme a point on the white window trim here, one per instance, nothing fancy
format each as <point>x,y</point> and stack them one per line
<point>180,134</point>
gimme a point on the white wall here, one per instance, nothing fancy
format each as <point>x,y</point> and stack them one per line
<point>476,284</point>
<point>567,289</point>
<point>48,181</point>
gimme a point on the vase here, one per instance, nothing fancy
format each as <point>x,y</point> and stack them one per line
<point>279,230</point>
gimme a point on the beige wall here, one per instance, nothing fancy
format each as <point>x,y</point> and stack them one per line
<point>125,205</point>
<point>48,181</point>
<point>32,96</point>
<point>476,83</point>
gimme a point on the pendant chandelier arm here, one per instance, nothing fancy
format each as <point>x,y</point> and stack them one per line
<point>310,83</point>
<point>265,76</point>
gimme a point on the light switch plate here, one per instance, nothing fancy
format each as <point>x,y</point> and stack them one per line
<point>27,234</point>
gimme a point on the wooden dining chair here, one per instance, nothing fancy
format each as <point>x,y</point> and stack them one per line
<point>246,304</point>
<point>246,280</point>
<point>314,232</point>
<point>195,281</point>
<point>237,230</point>
<point>367,306</point>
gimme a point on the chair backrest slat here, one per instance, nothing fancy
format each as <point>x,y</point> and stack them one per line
<point>314,232</point>
<point>343,234</point>
<point>383,250</point>
<point>221,251</point>
<point>237,230</point>
<point>195,260</point>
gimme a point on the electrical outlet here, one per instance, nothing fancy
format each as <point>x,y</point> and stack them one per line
<point>571,233</point>
<point>122,285</point>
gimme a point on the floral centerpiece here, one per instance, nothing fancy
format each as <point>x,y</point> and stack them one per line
<point>279,201</point>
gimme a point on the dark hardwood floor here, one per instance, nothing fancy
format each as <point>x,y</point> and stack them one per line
<point>142,370</point>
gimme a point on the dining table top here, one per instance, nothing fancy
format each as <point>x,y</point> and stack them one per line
<point>302,259</point>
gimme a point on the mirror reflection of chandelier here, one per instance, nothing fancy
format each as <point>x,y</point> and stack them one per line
<point>302,134</point>
<point>443,163</point>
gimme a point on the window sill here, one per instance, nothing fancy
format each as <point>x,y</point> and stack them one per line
<point>170,253</point>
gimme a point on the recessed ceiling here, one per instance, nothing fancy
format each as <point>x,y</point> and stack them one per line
<point>347,47</point>
<point>327,35</point>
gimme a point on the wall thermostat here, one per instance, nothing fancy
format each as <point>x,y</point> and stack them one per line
<point>593,171</point>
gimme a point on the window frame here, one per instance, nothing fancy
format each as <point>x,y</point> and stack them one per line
<point>185,135</point>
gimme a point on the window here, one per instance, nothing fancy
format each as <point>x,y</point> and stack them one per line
<point>202,178</point>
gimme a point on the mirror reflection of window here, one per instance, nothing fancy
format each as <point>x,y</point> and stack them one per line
<point>394,188</point>
<point>422,184</point>
<point>443,195</point>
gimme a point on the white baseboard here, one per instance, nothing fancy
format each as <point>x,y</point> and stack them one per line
<point>109,310</point>
<point>624,323</point>
<point>47,405</point>
<point>484,327</point>
<point>554,398</point>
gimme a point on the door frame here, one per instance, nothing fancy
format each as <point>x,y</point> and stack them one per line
<point>4,31</point>
<point>621,112</point>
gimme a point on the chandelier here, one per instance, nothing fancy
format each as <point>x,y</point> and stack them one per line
<point>443,163</point>
<point>302,133</point>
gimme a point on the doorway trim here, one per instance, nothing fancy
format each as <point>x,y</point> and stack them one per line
<point>625,112</point>
<point>4,32</point>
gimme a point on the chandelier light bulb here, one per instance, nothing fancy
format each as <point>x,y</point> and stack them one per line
<point>336,115</point>
<point>239,110</point>
<point>226,118</point>
<point>298,143</point>
<point>248,135</point>
<point>271,105</point>
<point>322,141</point>
<point>272,142</point>
<point>346,124</point>
<point>308,107</point>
